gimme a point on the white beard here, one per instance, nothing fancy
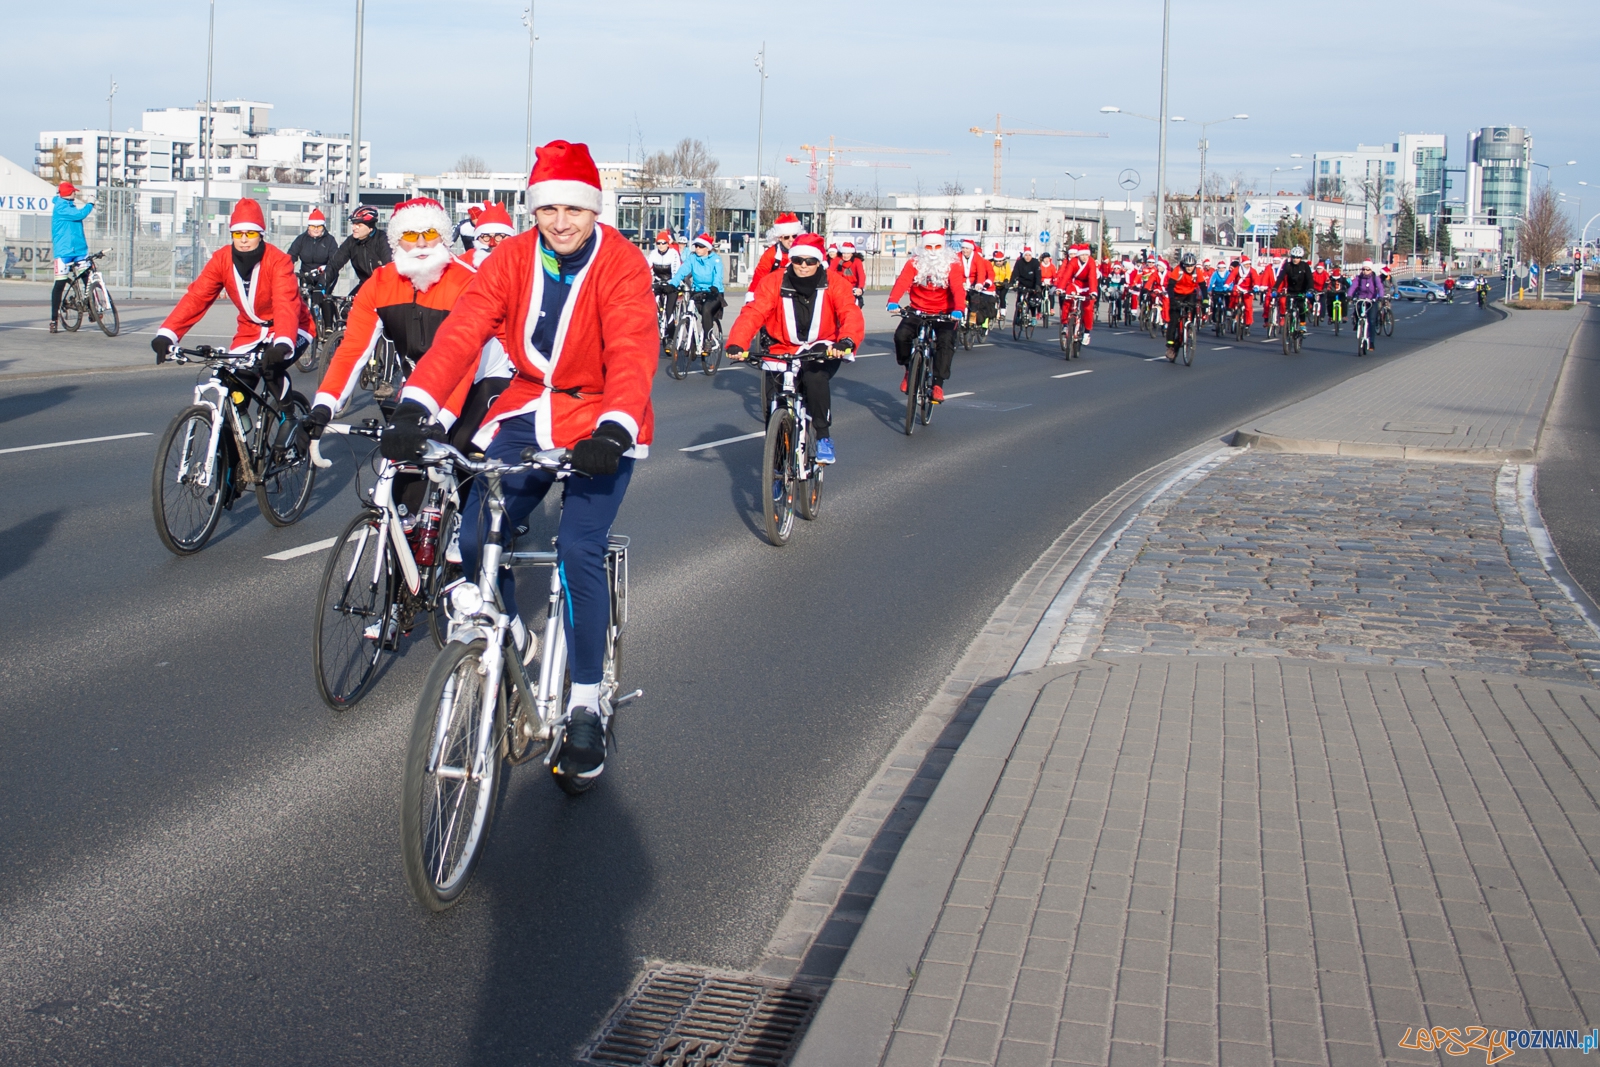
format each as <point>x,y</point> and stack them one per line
<point>933,267</point>
<point>423,266</point>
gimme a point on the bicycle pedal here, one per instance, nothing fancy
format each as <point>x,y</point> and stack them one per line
<point>627,699</point>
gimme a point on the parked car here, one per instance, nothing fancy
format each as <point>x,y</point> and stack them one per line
<point>1419,289</point>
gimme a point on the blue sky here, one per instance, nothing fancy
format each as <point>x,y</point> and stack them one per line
<point>446,78</point>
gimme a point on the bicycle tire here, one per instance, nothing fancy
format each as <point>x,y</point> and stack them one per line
<point>283,494</point>
<point>808,496</point>
<point>105,307</point>
<point>766,390</point>
<point>914,373</point>
<point>439,850</point>
<point>441,574</point>
<point>925,403</point>
<point>966,338</point>
<point>1065,337</point>
<point>357,590</point>
<point>1016,327</point>
<point>1388,323</point>
<point>189,500</point>
<point>777,478</point>
<point>1188,344</point>
<point>713,357</point>
<point>1288,344</point>
<point>683,350</point>
<point>1028,330</point>
<point>72,307</point>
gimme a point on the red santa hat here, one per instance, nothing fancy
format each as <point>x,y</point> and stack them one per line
<point>664,235</point>
<point>1075,249</point>
<point>493,218</point>
<point>997,253</point>
<point>417,216</point>
<point>564,174</point>
<point>807,245</point>
<point>317,218</point>
<point>932,238</point>
<point>847,247</point>
<point>967,242</point>
<point>786,225</point>
<point>1026,250</point>
<point>703,239</point>
<point>247,216</point>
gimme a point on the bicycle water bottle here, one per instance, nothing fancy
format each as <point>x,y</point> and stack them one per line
<point>425,536</point>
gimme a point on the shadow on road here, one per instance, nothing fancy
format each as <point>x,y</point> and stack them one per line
<point>18,543</point>
<point>743,463</point>
<point>21,405</point>
<point>888,408</point>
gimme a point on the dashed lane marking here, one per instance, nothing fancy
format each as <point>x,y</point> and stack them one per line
<point>1221,348</point>
<point>303,550</point>
<point>724,441</point>
<point>1072,374</point>
<point>955,396</point>
<point>79,441</point>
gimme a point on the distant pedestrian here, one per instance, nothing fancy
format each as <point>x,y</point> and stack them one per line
<point>68,245</point>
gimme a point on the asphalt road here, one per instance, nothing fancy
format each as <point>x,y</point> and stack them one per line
<point>199,863</point>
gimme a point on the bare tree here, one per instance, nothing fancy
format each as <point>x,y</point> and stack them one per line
<point>471,166</point>
<point>1180,223</point>
<point>1545,232</point>
<point>1310,188</point>
<point>951,188</point>
<point>774,202</point>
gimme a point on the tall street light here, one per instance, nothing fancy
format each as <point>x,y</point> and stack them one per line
<point>527,155</point>
<point>353,165</point>
<point>1161,166</point>
<point>761,121</point>
<point>204,140</point>
<point>1204,145</point>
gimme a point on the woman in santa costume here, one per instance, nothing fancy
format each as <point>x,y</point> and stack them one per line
<point>571,300</point>
<point>259,279</point>
<point>807,305</point>
<point>786,227</point>
<point>938,287</point>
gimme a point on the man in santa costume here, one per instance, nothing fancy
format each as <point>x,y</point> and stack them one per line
<point>785,228</point>
<point>807,306</point>
<point>571,301</point>
<point>491,224</point>
<point>937,287</point>
<point>1078,274</point>
<point>980,282</point>
<point>259,278</point>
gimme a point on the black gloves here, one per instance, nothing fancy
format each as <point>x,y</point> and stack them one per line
<point>601,453</point>
<point>409,432</point>
<point>736,352</point>
<point>161,344</point>
<point>277,355</point>
<point>317,421</point>
<point>844,346</point>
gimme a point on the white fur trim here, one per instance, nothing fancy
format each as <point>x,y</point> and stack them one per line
<point>412,392</point>
<point>806,252</point>
<point>565,193</point>
<point>418,217</point>
<point>445,419</point>
<point>168,334</point>
<point>787,229</point>
<point>326,400</point>
<point>623,419</point>
<point>493,227</point>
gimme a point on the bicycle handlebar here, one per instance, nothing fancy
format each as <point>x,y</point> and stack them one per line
<point>211,354</point>
<point>371,430</point>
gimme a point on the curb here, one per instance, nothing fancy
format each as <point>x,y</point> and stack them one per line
<point>859,1013</point>
<point>121,368</point>
<point>1266,442</point>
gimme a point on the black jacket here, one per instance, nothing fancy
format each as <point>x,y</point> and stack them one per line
<point>1025,274</point>
<point>364,256</point>
<point>313,251</point>
<point>1297,278</point>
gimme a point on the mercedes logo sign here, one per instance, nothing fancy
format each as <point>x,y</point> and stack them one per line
<point>1128,179</point>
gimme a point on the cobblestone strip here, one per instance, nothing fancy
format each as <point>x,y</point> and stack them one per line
<point>837,890</point>
<point>1339,558</point>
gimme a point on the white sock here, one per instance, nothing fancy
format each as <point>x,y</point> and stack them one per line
<point>584,696</point>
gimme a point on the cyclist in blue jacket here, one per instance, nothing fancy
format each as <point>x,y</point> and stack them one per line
<point>1219,288</point>
<point>68,245</point>
<point>703,268</point>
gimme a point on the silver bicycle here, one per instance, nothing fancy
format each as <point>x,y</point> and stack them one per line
<point>86,294</point>
<point>479,713</point>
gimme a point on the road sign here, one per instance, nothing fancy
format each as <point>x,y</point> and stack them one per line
<point>1265,229</point>
<point>1044,237</point>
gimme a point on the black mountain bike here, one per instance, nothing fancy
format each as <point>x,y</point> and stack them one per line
<point>919,370</point>
<point>1028,303</point>
<point>1294,327</point>
<point>789,468</point>
<point>1188,326</point>
<point>234,437</point>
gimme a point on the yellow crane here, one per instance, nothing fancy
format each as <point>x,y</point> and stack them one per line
<point>833,150</point>
<point>1000,132</point>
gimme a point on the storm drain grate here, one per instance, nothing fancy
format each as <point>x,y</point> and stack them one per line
<point>681,1017</point>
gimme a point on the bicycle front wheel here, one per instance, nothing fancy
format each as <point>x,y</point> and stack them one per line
<point>1388,324</point>
<point>1016,327</point>
<point>186,510</point>
<point>354,606</point>
<point>914,373</point>
<point>286,480</point>
<point>683,350</point>
<point>1188,344</point>
<point>445,812</point>
<point>778,477</point>
<point>105,310</point>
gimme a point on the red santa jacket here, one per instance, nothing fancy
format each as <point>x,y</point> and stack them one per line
<point>932,299</point>
<point>270,308</point>
<point>772,261</point>
<point>834,317</point>
<point>979,272</point>
<point>1075,276</point>
<point>605,351</point>
<point>388,305</point>
<point>853,271</point>
<point>1319,278</point>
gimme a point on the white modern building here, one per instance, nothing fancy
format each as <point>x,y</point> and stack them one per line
<point>1499,177</point>
<point>1009,222</point>
<point>1373,177</point>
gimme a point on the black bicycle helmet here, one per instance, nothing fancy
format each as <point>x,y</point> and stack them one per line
<point>365,214</point>
<point>1188,260</point>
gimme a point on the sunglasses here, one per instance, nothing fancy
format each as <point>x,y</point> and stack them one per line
<point>413,236</point>
<point>486,238</point>
<point>248,235</point>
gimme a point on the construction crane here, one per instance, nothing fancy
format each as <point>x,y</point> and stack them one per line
<point>815,166</point>
<point>1000,132</point>
<point>837,150</point>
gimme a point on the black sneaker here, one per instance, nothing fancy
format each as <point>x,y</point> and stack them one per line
<point>584,753</point>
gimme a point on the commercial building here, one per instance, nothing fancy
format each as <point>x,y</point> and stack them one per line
<point>1499,161</point>
<point>1009,222</point>
<point>1374,179</point>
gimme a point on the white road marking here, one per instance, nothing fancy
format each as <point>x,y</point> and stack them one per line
<point>1221,348</point>
<point>303,550</point>
<point>724,441</point>
<point>1152,359</point>
<point>955,396</point>
<point>79,441</point>
<point>1072,374</point>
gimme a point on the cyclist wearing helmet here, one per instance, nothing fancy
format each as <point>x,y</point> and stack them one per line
<point>1367,286</point>
<point>1295,280</point>
<point>1183,296</point>
<point>366,249</point>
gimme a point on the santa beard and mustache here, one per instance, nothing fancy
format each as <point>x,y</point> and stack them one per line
<point>422,266</point>
<point>933,267</point>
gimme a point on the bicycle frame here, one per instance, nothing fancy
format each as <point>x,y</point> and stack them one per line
<point>215,393</point>
<point>787,370</point>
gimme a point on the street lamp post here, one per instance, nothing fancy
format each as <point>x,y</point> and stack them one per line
<point>1161,161</point>
<point>204,139</point>
<point>761,122</point>
<point>353,164</point>
<point>1161,191</point>
<point>1204,145</point>
<point>527,153</point>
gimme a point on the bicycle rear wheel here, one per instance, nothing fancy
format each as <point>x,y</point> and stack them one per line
<point>445,813</point>
<point>105,310</point>
<point>713,356</point>
<point>354,605</point>
<point>1388,323</point>
<point>808,493</point>
<point>683,350</point>
<point>914,373</point>
<point>285,487</point>
<point>778,478</point>
<point>186,511</point>
<point>1016,327</point>
<point>72,307</point>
